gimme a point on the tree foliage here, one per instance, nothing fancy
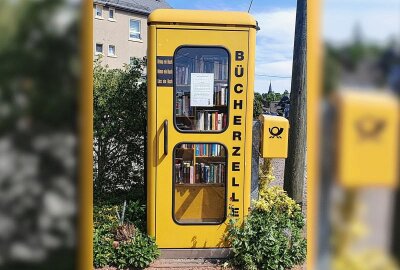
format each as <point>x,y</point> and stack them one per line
<point>119,126</point>
<point>265,100</point>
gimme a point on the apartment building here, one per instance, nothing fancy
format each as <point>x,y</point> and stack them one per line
<point>120,29</point>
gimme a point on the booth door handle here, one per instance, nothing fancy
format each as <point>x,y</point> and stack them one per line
<point>165,137</point>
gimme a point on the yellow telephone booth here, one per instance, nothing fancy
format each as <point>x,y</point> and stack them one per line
<point>200,104</point>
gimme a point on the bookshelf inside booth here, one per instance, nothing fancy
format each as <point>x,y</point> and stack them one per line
<point>199,183</point>
<point>201,106</point>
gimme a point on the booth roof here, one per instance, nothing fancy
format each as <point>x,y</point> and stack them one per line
<point>202,17</point>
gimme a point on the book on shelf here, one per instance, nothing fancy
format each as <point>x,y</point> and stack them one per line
<point>191,177</point>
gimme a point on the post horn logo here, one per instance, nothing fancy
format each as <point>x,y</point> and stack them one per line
<point>275,132</point>
<point>370,127</point>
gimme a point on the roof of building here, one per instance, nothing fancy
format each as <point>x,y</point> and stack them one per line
<point>202,17</point>
<point>135,6</point>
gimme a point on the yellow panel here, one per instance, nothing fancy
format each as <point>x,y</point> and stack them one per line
<point>198,204</point>
<point>368,137</point>
<point>206,17</point>
<point>275,136</point>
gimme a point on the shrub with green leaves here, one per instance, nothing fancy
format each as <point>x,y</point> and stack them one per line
<point>137,251</point>
<point>272,236</point>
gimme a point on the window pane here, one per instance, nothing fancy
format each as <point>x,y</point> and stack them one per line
<point>111,50</point>
<point>111,15</point>
<point>199,183</point>
<point>201,89</point>
<point>99,48</point>
<point>134,35</point>
<point>99,11</point>
<point>134,26</point>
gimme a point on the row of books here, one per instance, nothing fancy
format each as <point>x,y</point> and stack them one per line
<point>187,145</point>
<point>209,150</point>
<point>220,94</point>
<point>210,120</point>
<point>210,173</point>
<point>182,107</point>
<point>205,64</point>
<point>185,173</point>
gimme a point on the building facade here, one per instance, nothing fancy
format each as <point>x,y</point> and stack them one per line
<point>120,29</point>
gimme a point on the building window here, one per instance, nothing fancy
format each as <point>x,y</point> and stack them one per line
<point>99,48</point>
<point>111,14</point>
<point>99,11</point>
<point>134,29</point>
<point>111,50</point>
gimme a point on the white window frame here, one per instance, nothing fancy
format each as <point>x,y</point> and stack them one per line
<point>97,16</point>
<point>113,18</point>
<point>102,49</point>
<point>115,51</point>
<point>140,30</point>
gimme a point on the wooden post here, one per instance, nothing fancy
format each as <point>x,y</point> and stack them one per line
<point>295,163</point>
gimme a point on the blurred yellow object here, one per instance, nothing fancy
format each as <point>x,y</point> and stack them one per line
<point>368,260</point>
<point>275,136</point>
<point>368,129</point>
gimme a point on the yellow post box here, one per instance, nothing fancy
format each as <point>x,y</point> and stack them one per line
<point>200,104</point>
<point>274,137</point>
<point>368,139</point>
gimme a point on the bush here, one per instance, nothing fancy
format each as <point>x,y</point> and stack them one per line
<point>137,252</point>
<point>272,235</point>
<point>119,126</point>
<point>121,245</point>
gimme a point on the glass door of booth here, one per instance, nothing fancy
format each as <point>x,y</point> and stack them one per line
<point>194,116</point>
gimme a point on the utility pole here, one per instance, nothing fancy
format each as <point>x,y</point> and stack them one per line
<point>296,161</point>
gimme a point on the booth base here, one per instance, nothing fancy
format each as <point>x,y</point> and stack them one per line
<point>206,253</point>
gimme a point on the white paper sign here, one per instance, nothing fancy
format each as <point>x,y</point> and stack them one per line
<point>202,89</point>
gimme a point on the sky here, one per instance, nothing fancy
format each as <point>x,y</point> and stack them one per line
<point>379,20</point>
<point>274,46</point>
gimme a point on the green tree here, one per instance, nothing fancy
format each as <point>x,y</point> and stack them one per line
<point>278,96</point>
<point>257,107</point>
<point>268,98</point>
<point>119,98</point>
